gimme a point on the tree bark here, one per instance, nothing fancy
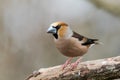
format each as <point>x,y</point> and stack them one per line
<point>103,69</point>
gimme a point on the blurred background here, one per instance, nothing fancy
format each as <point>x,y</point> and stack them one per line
<point>25,46</point>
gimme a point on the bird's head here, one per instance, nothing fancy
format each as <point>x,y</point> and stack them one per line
<point>59,30</point>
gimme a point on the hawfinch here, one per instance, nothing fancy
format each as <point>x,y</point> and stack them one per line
<point>70,43</point>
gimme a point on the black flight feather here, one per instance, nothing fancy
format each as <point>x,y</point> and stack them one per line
<point>88,40</point>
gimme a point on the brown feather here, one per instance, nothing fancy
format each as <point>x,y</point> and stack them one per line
<point>86,41</point>
<point>70,43</point>
<point>78,36</point>
<point>59,24</point>
<point>71,47</point>
<point>62,31</point>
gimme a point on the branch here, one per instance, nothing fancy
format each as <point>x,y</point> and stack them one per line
<point>103,69</point>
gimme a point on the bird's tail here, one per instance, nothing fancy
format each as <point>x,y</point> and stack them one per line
<point>96,41</point>
<point>91,42</point>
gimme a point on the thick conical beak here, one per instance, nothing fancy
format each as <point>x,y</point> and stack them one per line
<point>51,30</point>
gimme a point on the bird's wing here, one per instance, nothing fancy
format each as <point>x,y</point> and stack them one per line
<point>78,36</point>
<point>86,41</point>
<point>90,41</point>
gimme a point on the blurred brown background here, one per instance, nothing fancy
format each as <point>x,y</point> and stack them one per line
<point>25,46</point>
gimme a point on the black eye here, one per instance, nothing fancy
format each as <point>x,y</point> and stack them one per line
<point>53,27</point>
<point>58,27</point>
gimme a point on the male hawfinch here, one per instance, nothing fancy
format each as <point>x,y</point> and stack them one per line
<point>70,43</point>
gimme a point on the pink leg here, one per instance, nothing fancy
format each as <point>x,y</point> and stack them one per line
<point>75,64</point>
<point>68,61</point>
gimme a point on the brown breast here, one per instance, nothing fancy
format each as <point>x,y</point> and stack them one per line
<point>71,47</point>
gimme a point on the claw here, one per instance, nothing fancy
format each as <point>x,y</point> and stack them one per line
<point>75,64</point>
<point>66,63</point>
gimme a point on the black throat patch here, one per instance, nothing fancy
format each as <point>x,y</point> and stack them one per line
<point>55,35</point>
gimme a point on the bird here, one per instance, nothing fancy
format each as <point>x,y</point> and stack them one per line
<point>70,43</point>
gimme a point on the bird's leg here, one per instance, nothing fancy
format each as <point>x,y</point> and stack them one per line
<point>68,61</point>
<point>75,64</point>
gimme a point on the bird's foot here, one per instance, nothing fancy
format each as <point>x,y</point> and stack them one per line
<point>66,63</point>
<point>75,64</point>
